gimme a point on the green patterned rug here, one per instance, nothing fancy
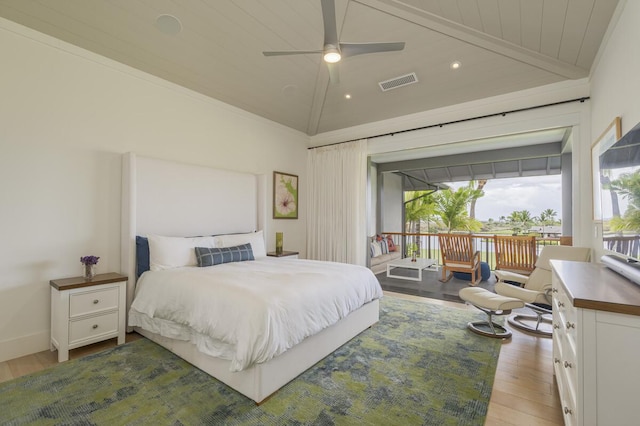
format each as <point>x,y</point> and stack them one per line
<point>418,365</point>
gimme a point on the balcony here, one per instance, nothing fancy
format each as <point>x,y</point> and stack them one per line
<point>427,245</point>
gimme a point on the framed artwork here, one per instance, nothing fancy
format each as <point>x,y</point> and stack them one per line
<point>599,147</point>
<point>285,196</point>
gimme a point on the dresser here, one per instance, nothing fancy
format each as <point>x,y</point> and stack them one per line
<point>87,311</point>
<point>596,344</point>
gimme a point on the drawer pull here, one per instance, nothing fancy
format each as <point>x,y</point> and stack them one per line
<point>556,360</point>
<point>567,364</point>
<point>561,304</point>
<point>556,326</point>
<point>95,326</point>
<point>567,410</point>
<point>554,290</point>
<point>95,301</point>
<point>570,325</point>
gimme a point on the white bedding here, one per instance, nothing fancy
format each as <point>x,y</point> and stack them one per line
<point>249,312</point>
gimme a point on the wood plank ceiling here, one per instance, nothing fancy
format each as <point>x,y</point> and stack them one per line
<point>502,46</point>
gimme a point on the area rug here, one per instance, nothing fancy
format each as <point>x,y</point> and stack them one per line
<point>430,286</point>
<point>418,365</point>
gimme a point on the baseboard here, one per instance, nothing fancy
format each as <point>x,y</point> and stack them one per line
<point>24,345</point>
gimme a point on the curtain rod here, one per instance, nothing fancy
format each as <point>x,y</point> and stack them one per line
<point>581,100</point>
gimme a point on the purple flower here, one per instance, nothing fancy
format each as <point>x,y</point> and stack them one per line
<point>89,260</point>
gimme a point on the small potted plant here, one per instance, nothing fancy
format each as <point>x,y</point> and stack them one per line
<point>89,263</point>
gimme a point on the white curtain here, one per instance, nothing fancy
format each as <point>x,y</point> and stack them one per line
<point>337,193</point>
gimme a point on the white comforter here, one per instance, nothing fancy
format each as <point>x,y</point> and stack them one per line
<point>249,312</point>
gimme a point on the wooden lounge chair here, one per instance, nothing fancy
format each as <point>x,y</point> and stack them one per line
<point>515,253</point>
<point>459,255</point>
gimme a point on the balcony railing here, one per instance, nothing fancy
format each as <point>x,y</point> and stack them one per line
<point>428,247</point>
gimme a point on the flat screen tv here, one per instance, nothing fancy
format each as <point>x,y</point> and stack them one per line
<point>618,168</point>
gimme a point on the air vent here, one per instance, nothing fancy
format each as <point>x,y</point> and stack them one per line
<point>394,83</point>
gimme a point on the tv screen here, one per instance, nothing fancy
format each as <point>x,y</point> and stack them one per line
<point>619,173</point>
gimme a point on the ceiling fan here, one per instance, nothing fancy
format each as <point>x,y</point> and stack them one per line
<point>333,50</point>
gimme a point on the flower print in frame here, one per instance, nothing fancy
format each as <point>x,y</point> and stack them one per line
<point>285,196</point>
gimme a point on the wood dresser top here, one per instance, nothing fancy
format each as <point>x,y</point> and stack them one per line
<point>594,286</point>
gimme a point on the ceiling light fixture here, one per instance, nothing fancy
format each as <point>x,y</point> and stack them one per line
<point>455,65</point>
<point>347,96</point>
<point>331,54</point>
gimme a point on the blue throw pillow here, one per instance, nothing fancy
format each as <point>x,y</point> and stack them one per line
<point>214,256</point>
<point>142,255</point>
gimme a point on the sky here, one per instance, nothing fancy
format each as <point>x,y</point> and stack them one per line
<point>503,196</point>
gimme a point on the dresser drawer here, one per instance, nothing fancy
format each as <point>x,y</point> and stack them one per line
<point>566,379</point>
<point>565,317</point>
<point>91,302</point>
<point>569,364</point>
<point>569,413</point>
<point>89,328</point>
<point>564,307</point>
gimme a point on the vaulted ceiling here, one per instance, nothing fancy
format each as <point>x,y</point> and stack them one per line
<point>215,48</point>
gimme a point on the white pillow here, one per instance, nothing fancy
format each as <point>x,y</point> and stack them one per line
<point>376,249</point>
<point>174,252</point>
<point>256,239</point>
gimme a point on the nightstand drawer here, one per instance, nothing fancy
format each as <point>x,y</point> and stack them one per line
<point>92,327</point>
<point>91,302</point>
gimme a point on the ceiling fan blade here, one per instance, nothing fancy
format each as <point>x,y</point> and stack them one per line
<point>291,52</point>
<point>334,74</point>
<point>352,49</point>
<point>329,20</point>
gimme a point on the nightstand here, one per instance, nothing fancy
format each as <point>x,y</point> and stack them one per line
<point>289,254</point>
<point>87,311</point>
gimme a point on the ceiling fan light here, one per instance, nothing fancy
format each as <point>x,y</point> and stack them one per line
<point>332,55</point>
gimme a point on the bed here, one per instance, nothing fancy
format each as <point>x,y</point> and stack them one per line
<point>173,200</point>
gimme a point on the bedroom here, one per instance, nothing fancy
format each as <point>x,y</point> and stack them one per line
<point>69,115</point>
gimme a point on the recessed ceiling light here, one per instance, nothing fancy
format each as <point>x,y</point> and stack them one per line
<point>455,65</point>
<point>168,24</point>
<point>347,96</point>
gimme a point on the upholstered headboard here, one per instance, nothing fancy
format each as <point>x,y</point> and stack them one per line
<point>175,199</point>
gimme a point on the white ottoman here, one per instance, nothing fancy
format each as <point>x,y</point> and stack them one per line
<point>491,304</point>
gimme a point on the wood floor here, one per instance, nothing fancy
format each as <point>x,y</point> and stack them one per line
<point>524,390</point>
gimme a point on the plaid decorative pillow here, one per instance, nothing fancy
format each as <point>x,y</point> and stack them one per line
<point>215,256</point>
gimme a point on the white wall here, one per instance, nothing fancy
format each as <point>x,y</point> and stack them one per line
<point>67,116</point>
<point>614,81</point>
<point>392,200</point>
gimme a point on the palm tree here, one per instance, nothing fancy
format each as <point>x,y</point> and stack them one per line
<point>478,192</point>
<point>520,220</point>
<point>548,217</point>
<point>451,207</point>
<point>605,182</point>
<point>628,186</point>
<point>418,206</point>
